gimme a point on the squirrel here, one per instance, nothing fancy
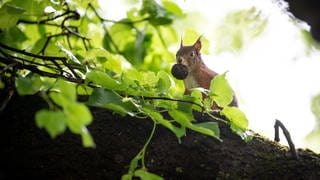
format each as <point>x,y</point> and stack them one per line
<point>192,70</point>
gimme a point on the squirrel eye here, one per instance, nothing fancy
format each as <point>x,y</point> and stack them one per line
<point>192,53</point>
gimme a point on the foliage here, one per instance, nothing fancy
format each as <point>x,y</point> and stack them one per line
<point>239,27</point>
<point>309,41</point>
<point>54,49</point>
<point>313,137</point>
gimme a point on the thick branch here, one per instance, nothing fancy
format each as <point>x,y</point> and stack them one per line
<point>195,156</point>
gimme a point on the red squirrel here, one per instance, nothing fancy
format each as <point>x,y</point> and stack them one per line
<point>191,68</point>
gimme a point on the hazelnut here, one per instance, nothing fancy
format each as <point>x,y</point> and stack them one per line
<point>179,71</point>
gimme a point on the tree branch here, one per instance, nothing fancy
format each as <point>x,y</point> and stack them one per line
<point>35,69</point>
<point>288,137</point>
<point>44,21</point>
<point>176,100</point>
<point>31,54</point>
<point>123,21</point>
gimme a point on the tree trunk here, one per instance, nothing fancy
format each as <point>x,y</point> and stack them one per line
<point>29,153</point>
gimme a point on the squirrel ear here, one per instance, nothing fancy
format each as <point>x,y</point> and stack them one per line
<point>181,43</point>
<point>197,44</point>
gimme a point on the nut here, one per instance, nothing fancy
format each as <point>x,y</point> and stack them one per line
<point>179,71</point>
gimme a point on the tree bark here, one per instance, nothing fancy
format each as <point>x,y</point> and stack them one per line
<point>29,153</point>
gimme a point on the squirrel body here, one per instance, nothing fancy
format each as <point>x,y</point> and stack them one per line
<point>199,75</point>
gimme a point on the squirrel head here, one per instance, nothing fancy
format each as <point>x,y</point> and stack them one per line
<point>190,55</point>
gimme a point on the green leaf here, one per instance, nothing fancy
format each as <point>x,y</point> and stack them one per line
<point>173,8</point>
<point>171,37</point>
<point>34,10</point>
<point>140,83</point>
<point>28,85</point>
<point>208,130</point>
<point>145,175</point>
<point>117,32</point>
<point>10,15</point>
<point>164,82</point>
<point>71,56</point>
<point>77,116</point>
<point>67,89</point>
<point>97,55</point>
<point>213,126</point>
<point>63,93</point>
<point>84,90</point>
<point>158,14</point>
<point>13,36</point>
<point>179,132</point>
<point>37,47</point>
<point>109,99</point>
<point>168,105</point>
<point>220,91</point>
<point>197,95</point>
<point>53,121</point>
<point>87,139</point>
<point>181,117</point>
<point>126,177</point>
<point>186,107</point>
<point>103,79</point>
<point>238,120</point>
<point>101,58</point>
<point>185,120</point>
<point>2,85</point>
<point>141,44</point>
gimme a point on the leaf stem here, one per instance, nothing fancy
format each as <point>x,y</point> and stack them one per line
<point>141,155</point>
<point>147,143</point>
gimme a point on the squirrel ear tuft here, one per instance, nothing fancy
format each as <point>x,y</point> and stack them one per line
<point>181,43</point>
<point>197,44</point>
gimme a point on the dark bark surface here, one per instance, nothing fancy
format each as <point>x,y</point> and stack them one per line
<point>29,153</point>
<point>308,11</point>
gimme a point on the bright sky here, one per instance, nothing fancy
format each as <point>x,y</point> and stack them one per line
<point>272,76</point>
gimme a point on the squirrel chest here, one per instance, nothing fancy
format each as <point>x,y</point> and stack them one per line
<point>190,82</point>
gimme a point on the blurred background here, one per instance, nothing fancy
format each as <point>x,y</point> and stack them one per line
<point>271,58</point>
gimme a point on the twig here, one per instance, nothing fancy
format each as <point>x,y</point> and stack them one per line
<point>31,54</point>
<point>176,100</point>
<point>44,21</point>
<point>75,33</point>
<point>48,40</point>
<point>15,59</point>
<point>106,30</point>
<point>287,135</point>
<point>7,67</point>
<point>35,69</point>
<point>124,21</point>
<point>6,100</point>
